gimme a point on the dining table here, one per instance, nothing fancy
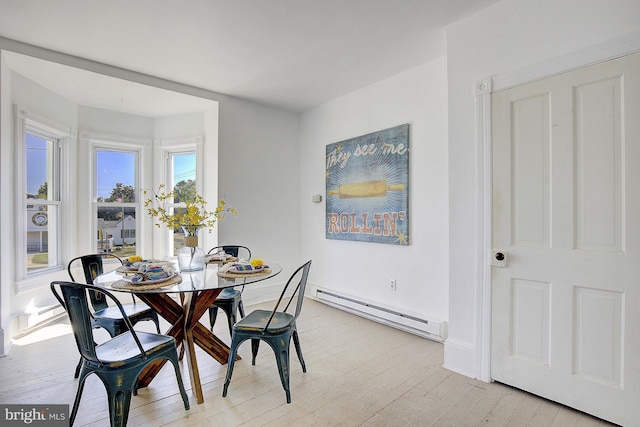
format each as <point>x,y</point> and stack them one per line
<point>182,301</point>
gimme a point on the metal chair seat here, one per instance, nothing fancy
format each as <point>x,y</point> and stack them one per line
<point>257,321</point>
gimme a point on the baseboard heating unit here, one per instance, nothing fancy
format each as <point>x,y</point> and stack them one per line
<point>433,330</point>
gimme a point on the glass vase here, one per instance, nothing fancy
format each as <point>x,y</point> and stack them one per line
<point>191,257</point>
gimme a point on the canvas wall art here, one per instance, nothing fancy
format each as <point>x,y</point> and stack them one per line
<point>367,187</point>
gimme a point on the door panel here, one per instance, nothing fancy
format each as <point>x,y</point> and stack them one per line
<point>599,141</point>
<point>531,166</point>
<point>566,210</point>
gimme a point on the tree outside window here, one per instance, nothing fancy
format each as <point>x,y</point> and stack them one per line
<point>116,200</point>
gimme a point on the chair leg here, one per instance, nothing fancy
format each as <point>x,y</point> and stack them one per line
<point>119,403</point>
<point>241,309</point>
<point>78,367</point>
<point>296,342</point>
<point>76,402</point>
<point>157,322</point>
<point>231,318</point>
<point>230,363</point>
<point>255,344</point>
<point>213,313</point>
<point>282,360</point>
<point>183,393</point>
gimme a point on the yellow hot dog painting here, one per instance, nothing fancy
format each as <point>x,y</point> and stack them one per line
<point>367,187</point>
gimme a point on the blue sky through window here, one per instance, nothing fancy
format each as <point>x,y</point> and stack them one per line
<point>184,167</point>
<point>112,167</point>
<point>36,162</point>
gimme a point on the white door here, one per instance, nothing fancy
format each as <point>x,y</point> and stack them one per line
<point>566,212</point>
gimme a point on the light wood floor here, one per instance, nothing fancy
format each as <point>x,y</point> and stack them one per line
<point>359,373</point>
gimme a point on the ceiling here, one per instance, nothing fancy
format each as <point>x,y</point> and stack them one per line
<point>291,54</point>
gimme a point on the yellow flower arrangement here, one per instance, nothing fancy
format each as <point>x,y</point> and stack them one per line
<point>191,217</point>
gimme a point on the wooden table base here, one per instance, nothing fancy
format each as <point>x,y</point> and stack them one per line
<point>188,331</point>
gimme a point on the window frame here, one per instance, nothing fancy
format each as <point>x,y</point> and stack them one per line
<point>164,150</point>
<point>27,122</point>
<point>111,144</point>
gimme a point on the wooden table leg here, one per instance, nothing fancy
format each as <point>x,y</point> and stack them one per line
<point>190,351</point>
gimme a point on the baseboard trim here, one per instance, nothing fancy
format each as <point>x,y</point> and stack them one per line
<point>460,357</point>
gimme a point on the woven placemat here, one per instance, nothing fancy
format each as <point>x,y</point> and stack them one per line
<point>227,275</point>
<point>121,284</point>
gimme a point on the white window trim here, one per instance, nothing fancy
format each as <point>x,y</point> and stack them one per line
<point>24,118</point>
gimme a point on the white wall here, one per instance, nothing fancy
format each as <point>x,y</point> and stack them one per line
<point>507,36</point>
<point>361,269</point>
<point>180,126</point>
<point>258,172</point>
<point>114,123</point>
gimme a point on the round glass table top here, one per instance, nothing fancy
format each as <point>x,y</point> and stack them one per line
<point>205,279</point>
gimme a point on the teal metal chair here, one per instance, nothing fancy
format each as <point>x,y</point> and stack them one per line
<point>103,315</point>
<point>230,299</point>
<point>276,328</point>
<point>117,362</point>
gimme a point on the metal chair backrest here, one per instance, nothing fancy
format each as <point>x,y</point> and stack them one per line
<point>237,251</point>
<point>298,293</point>
<point>74,300</point>
<point>92,266</point>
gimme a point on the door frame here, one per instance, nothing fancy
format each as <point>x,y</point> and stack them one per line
<point>484,89</point>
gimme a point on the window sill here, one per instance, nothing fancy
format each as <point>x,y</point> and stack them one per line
<point>41,278</point>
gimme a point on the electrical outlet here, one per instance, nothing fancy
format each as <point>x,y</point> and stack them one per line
<point>392,283</point>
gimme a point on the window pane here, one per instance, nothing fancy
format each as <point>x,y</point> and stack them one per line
<point>183,180</point>
<point>42,218</point>
<point>117,230</point>
<point>40,156</point>
<point>41,229</point>
<point>116,176</point>
<point>178,234</point>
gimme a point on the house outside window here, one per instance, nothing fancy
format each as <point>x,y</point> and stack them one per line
<point>117,200</point>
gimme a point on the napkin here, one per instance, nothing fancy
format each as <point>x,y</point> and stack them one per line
<point>241,267</point>
<point>152,272</point>
<point>219,255</point>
